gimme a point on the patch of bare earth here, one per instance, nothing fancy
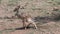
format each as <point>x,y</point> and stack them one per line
<point>47,28</point>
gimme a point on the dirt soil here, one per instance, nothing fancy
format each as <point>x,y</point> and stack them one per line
<point>36,8</point>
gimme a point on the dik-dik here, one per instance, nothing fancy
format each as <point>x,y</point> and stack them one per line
<point>26,18</point>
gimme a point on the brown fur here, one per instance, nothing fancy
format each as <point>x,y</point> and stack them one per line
<point>26,18</point>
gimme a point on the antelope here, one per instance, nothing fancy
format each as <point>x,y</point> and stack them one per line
<point>26,19</point>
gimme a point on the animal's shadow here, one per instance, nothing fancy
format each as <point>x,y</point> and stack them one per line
<point>21,28</point>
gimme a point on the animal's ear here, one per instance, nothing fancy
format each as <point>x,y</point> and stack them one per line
<point>16,8</point>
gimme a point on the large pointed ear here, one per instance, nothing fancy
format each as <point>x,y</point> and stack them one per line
<point>16,8</point>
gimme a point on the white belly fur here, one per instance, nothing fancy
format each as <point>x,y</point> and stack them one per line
<point>29,19</point>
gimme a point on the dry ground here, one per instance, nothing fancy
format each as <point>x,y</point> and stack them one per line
<point>36,8</point>
<point>9,27</point>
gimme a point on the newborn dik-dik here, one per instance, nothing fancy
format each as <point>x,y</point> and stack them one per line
<point>26,18</point>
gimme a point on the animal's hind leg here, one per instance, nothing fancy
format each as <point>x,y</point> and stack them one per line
<point>32,22</point>
<point>35,25</point>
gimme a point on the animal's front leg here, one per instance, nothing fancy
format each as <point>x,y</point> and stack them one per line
<point>24,25</point>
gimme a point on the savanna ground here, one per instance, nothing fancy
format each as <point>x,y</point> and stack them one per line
<point>46,14</point>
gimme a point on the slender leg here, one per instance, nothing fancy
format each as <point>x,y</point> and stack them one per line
<point>35,25</point>
<point>24,24</point>
<point>32,22</point>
